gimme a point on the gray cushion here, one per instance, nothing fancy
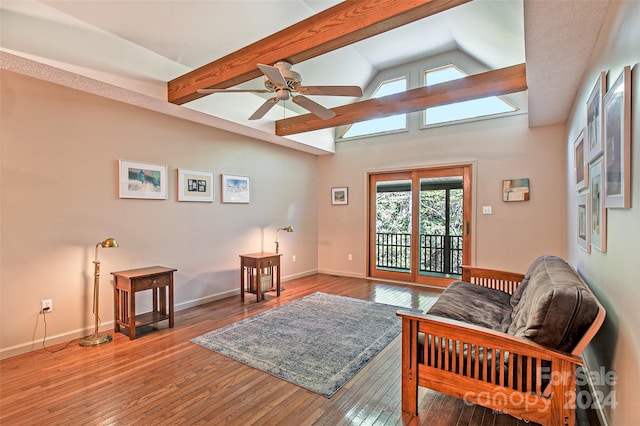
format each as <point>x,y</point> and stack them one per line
<point>517,294</point>
<point>474,304</point>
<point>555,308</point>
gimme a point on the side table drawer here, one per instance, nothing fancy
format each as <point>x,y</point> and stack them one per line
<point>268,262</point>
<point>155,281</point>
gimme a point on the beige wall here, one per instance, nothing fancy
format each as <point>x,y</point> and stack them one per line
<point>510,238</point>
<point>614,274</point>
<point>59,154</point>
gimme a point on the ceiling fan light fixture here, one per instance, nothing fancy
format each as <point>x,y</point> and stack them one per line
<point>283,94</point>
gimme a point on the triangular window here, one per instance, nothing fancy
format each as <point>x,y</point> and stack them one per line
<point>384,124</point>
<point>461,110</point>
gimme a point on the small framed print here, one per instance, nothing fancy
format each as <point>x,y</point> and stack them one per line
<point>515,190</point>
<point>235,189</point>
<point>142,180</point>
<point>339,196</point>
<point>594,117</point>
<point>195,185</point>
<point>584,236</point>
<point>617,142</point>
<point>598,216</point>
<point>581,164</point>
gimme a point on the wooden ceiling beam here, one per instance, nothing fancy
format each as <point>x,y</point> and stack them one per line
<point>492,83</point>
<point>343,24</point>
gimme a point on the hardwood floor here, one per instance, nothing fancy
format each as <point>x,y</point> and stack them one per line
<point>162,379</point>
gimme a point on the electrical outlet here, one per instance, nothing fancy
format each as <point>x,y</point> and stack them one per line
<point>350,256</point>
<point>47,305</point>
<point>293,258</point>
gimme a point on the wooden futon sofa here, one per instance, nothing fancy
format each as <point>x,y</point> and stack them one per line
<point>506,341</point>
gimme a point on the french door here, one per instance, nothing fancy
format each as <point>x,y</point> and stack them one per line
<point>420,224</point>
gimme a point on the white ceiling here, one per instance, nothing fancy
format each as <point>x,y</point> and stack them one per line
<point>139,45</point>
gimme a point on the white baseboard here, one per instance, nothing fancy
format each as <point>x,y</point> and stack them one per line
<point>108,325</point>
<point>56,339</point>
<point>298,275</point>
<point>341,273</point>
<point>207,299</point>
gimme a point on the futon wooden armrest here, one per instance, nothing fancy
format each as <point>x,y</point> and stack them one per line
<point>492,278</point>
<point>464,332</point>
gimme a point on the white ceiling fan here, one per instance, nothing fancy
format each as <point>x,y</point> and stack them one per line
<point>282,80</point>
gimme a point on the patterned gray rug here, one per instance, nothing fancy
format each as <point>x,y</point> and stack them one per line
<point>318,342</point>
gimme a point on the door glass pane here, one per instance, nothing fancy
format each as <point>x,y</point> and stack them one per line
<point>440,226</point>
<point>393,226</point>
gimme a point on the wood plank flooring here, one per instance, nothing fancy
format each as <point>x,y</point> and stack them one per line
<point>162,379</point>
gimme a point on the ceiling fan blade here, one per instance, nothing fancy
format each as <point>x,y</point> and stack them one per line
<point>233,91</point>
<point>331,90</point>
<point>264,108</point>
<point>313,107</point>
<point>274,75</point>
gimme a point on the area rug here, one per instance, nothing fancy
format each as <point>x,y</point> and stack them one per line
<point>318,342</point>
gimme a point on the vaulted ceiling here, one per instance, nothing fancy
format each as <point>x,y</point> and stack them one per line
<point>166,50</point>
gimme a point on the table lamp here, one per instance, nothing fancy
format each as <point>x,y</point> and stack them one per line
<point>286,229</point>
<point>96,338</point>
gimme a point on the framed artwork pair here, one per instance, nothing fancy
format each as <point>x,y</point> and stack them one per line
<point>194,185</point>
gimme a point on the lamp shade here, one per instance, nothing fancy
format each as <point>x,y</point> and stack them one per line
<point>109,242</point>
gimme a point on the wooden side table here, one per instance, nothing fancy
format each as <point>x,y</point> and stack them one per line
<point>159,280</point>
<point>252,266</point>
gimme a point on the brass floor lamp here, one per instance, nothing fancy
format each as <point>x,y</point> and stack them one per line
<point>286,229</point>
<point>96,338</point>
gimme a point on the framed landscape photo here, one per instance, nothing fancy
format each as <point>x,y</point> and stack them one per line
<point>235,189</point>
<point>142,180</point>
<point>581,163</point>
<point>195,185</point>
<point>598,213</point>
<point>584,236</point>
<point>617,141</point>
<point>340,196</point>
<point>594,117</point>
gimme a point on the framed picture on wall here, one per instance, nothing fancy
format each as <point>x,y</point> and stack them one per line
<point>515,190</point>
<point>142,180</point>
<point>584,236</point>
<point>617,141</point>
<point>235,189</point>
<point>594,117</point>
<point>598,216</point>
<point>195,185</point>
<point>581,163</point>
<point>339,195</point>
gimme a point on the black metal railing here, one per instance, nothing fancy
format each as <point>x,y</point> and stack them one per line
<point>393,251</point>
<point>439,254</point>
